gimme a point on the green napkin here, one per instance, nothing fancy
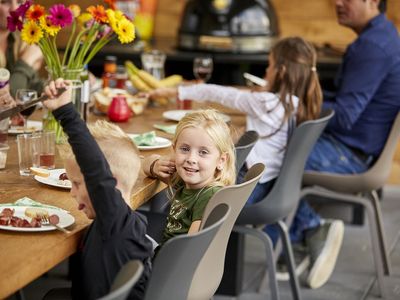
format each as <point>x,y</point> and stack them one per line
<point>145,139</point>
<point>25,201</point>
<point>167,128</point>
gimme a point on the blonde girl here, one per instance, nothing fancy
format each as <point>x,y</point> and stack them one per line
<point>203,162</point>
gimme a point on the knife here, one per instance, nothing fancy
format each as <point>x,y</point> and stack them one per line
<point>16,109</point>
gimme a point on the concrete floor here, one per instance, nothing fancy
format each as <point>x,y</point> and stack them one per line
<point>353,277</point>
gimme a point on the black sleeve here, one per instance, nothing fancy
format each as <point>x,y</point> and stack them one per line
<point>101,185</point>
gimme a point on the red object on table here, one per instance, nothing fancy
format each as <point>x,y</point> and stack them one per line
<point>119,111</point>
<point>183,104</point>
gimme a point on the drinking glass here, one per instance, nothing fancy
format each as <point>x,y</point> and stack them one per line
<point>202,68</point>
<point>23,96</point>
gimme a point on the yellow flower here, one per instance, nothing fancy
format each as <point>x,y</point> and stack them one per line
<point>47,27</point>
<point>111,19</point>
<point>125,31</point>
<point>84,18</point>
<point>75,9</point>
<point>31,33</point>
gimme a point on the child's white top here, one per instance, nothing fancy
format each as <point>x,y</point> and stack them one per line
<point>264,115</point>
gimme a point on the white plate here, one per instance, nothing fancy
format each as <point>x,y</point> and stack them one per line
<point>53,179</point>
<point>177,115</point>
<point>65,219</point>
<point>160,143</point>
<point>31,126</point>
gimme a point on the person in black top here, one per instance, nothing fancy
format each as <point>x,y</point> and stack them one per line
<point>103,169</point>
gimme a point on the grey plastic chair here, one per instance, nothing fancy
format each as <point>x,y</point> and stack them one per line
<point>244,146</point>
<point>177,260</point>
<point>210,270</point>
<point>125,280</point>
<point>283,199</point>
<point>362,189</point>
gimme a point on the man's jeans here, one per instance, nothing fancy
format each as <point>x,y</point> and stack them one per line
<point>328,155</point>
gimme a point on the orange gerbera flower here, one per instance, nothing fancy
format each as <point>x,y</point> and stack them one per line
<point>99,13</point>
<point>35,12</point>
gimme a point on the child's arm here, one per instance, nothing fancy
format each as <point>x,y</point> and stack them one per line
<point>159,167</point>
<point>194,227</point>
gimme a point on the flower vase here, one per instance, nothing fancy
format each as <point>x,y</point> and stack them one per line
<point>49,122</point>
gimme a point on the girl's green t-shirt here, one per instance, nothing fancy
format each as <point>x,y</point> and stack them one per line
<point>187,206</point>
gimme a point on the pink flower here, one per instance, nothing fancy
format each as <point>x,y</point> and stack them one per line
<point>13,21</point>
<point>60,15</point>
<point>21,10</point>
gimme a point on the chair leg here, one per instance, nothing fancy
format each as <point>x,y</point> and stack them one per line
<point>381,232</point>
<point>20,295</point>
<point>294,281</point>
<point>273,283</point>
<point>373,227</point>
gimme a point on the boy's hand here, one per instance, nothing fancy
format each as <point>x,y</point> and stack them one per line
<point>164,168</point>
<point>170,92</point>
<point>52,91</point>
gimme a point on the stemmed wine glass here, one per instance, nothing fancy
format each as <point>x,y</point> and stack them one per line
<point>202,68</point>
<point>24,96</point>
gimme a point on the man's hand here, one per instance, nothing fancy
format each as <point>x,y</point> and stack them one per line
<point>52,91</point>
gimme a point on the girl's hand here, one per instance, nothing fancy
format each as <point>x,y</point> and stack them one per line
<point>170,92</point>
<point>164,168</point>
<point>52,91</point>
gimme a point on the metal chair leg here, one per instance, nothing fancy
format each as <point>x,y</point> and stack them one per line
<point>294,281</point>
<point>20,295</point>
<point>381,232</point>
<point>273,283</point>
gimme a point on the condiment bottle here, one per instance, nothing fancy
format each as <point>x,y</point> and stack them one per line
<point>4,77</point>
<point>119,110</point>
<point>110,68</point>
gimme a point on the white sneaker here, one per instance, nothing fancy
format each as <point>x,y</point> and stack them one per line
<point>324,244</point>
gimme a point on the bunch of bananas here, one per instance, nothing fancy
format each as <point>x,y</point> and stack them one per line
<point>145,82</point>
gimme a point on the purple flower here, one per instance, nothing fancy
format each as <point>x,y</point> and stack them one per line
<point>105,30</point>
<point>60,15</point>
<point>13,21</point>
<point>21,10</point>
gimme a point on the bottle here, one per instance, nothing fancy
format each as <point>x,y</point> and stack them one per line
<point>110,68</point>
<point>4,78</point>
<point>85,96</point>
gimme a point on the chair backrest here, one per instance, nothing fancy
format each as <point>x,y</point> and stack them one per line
<point>177,260</point>
<point>125,280</point>
<point>210,270</point>
<point>244,146</point>
<point>285,193</point>
<point>377,175</point>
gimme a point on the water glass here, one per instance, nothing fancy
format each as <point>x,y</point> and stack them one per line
<point>28,147</point>
<point>153,62</point>
<point>4,130</point>
<point>47,150</point>
<point>3,155</point>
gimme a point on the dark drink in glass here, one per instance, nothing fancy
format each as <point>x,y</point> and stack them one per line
<point>47,160</point>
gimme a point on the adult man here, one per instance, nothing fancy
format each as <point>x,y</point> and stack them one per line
<point>366,103</point>
<point>21,60</point>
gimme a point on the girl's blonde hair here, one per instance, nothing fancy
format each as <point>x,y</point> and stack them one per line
<point>214,125</point>
<point>296,74</point>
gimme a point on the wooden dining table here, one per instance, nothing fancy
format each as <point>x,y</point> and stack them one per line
<point>24,256</point>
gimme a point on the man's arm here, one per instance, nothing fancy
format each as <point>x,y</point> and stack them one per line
<point>366,66</point>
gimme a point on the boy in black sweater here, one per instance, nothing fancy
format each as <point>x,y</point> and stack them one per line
<point>103,169</point>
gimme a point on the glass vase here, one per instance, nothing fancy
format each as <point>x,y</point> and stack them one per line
<point>49,122</point>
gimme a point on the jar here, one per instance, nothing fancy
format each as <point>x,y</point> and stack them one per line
<point>110,68</point>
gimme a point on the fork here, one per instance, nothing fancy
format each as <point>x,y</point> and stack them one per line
<point>46,222</point>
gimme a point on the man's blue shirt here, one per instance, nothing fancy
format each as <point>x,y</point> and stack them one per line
<point>367,99</point>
